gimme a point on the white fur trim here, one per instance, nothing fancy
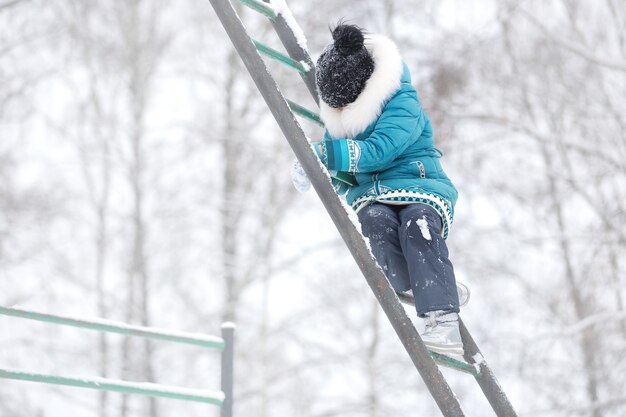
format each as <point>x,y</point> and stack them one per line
<point>384,81</point>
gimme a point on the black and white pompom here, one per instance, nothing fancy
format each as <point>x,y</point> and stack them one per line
<point>348,39</point>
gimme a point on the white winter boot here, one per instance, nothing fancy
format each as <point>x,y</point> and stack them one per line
<point>442,333</point>
<point>464,293</point>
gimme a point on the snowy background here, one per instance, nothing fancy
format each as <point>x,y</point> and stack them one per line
<point>143,179</point>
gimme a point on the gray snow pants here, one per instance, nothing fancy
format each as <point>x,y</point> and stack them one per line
<point>406,241</point>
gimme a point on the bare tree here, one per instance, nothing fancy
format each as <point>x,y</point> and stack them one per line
<point>539,104</point>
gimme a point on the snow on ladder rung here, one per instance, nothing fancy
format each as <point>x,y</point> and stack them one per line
<point>261,7</point>
<point>304,112</point>
<point>300,66</point>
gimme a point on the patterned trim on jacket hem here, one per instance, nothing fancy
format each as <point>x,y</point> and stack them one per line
<point>409,197</point>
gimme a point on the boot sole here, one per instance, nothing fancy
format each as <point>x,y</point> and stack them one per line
<point>446,350</point>
<point>468,294</point>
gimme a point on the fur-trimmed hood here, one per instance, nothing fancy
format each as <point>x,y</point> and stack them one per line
<point>384,81</point>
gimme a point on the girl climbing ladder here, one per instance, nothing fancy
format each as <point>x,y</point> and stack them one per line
<point>377,131</point>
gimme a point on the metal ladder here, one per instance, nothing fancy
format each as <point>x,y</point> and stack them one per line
<point>283,111</point>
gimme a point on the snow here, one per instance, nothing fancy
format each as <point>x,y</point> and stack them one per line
<point>228,325</point>
<point>150,386</point>
<point>306,66</point>
<point>354,218</point>
<point>280,7</point>
<point>423,225</point>
<point>478,360</point>
<point>351,214</point>
<point>274,8</point>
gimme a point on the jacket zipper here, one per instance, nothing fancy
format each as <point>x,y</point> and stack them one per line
<point>420,165</point>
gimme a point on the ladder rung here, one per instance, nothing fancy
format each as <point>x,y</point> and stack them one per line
<point>304,112</point>
<point>261,7</point>
<point>280,57</point>
<point>454,364</point>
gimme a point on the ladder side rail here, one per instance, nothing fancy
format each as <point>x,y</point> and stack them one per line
<point>486,378</point>
<point>296,51</point>
<point>375,277</point>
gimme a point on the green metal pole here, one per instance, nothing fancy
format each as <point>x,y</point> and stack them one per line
<point>306,113</point>
<point>260,7</point>
<point>228,333</point>
<point>103,384</point>
<point>118,327</point>
<point>280,57</point>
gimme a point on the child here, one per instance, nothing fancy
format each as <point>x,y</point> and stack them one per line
<point>377,131</point>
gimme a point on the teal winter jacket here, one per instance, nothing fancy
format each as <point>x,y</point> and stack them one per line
<point>386,140</point>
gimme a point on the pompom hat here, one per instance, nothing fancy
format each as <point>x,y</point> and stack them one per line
<point>344,67</point>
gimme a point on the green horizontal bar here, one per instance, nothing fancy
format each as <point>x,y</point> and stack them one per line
<point>121,328</point>
<point>280,57</point>
<point>103,384</point>
<point>260,7</point>
<point>304,112</point>
<point>448,362</point>
<point>346,178</point>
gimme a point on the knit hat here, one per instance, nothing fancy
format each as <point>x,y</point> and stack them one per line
<point>344,67</point>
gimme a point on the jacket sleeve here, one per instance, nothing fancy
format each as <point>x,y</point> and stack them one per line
<point>400,123</point>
